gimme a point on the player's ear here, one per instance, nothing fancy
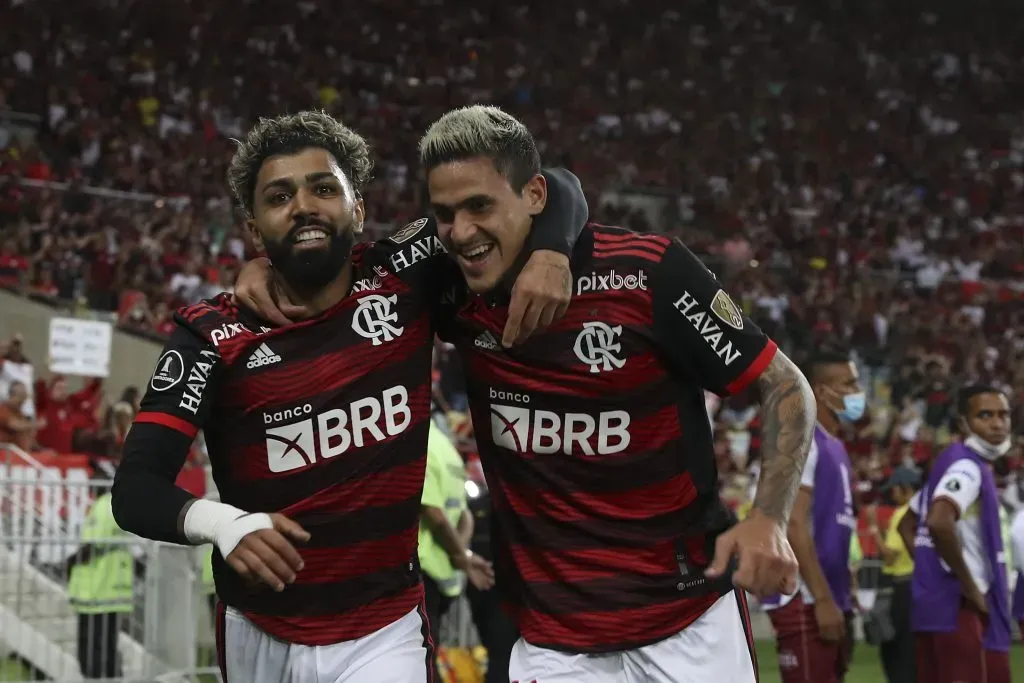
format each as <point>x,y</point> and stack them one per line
<point>360,215</point>
<point>257,239</point>
<point>535,194</point>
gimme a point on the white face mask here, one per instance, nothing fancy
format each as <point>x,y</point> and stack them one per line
<point>985,449</point>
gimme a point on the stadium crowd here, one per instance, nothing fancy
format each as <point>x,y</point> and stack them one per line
<point>851,187</point>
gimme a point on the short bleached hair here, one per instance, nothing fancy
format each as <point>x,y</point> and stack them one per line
<point>482,131</point>
<point>291,134</point>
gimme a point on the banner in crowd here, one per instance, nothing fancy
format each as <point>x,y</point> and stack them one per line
<point>80,347</point>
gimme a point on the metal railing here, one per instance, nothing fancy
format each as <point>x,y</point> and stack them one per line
<point>164,632</point>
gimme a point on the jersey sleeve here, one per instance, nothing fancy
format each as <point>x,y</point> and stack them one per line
<point>961,484</point>
<point>810,467</point>
<point>177,403</point>
<point>698,328</point>
<point>915,504</point>
<point>184,382</point>
<point>416,253</point>
<point>566,213</point>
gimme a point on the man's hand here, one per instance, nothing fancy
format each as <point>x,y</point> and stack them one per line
<point>540,295</point>
<point>256,290</point>
<point>479,571</point>
<point>976,601</point>
<point>766,564</point>
<point>831,622</point>
<point>267,555</point>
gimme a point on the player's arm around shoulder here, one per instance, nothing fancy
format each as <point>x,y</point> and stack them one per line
<point>543,289</point>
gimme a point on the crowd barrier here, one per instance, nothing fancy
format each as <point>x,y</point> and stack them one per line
<point>163,632</point>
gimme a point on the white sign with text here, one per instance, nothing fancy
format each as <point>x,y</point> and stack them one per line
<point>80,347</point>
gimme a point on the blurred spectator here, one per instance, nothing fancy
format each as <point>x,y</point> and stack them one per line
<point>63,414</point>
<point>119,422</point>
<point>15,428</point>
<point>849,185</point>
<point>15,367</point>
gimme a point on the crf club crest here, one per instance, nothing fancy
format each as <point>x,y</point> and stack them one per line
<point>407,233</point>
<point>726,310</point>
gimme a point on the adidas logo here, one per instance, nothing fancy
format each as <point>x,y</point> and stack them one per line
<point>262,356</point>
<point>486,341</point>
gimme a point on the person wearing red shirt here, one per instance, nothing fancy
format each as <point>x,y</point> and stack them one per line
<point>13,265</point>
<point>62,414</point>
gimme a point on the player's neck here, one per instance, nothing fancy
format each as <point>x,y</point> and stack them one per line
<point>828,420</point>
<point>319,300</point>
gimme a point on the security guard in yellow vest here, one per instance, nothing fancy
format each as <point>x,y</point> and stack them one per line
<point>897,654</point>
<point>446,528</point>
<point>100,589</point>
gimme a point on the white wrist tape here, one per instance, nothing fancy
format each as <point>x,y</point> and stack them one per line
<point>223,525</point>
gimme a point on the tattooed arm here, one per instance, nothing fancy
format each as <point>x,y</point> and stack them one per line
<point>704,336</point>
<point>788,413</point>
<point>766,563</point>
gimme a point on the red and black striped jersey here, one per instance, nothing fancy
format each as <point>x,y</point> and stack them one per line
<point>597,446</point>
<point>324,421</point>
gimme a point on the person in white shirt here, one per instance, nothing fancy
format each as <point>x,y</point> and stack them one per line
<point>1017,553</point>
<point>15,367</point>
<point>953,542</point>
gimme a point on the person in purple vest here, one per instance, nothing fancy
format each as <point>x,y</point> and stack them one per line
<point>960,610</point>
<point>811,625</point>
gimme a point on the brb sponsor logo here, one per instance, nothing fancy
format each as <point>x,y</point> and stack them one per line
<point>523,430</point>
<point>604,282</point>
<point>375,318</point>
<point>329,434</point>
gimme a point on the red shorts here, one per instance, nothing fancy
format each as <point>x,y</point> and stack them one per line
<point>997,667</point>
<point>954,657</point>
<point>803,656</point>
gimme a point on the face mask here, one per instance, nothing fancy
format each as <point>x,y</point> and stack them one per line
<point>985,449</point>
<point>853,407</point>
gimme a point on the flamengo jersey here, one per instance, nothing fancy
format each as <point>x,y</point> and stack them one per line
<point>325,421</point>
<point>596,444</point>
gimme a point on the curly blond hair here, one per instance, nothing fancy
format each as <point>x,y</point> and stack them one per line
<point>482,131</point>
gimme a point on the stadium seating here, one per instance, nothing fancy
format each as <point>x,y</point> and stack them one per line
<point>852,171</point>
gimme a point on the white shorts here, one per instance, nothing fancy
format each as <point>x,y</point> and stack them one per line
<point>714,649</point>
<point>396,653</point>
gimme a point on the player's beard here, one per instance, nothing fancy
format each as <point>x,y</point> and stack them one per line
<point>309,270</point>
